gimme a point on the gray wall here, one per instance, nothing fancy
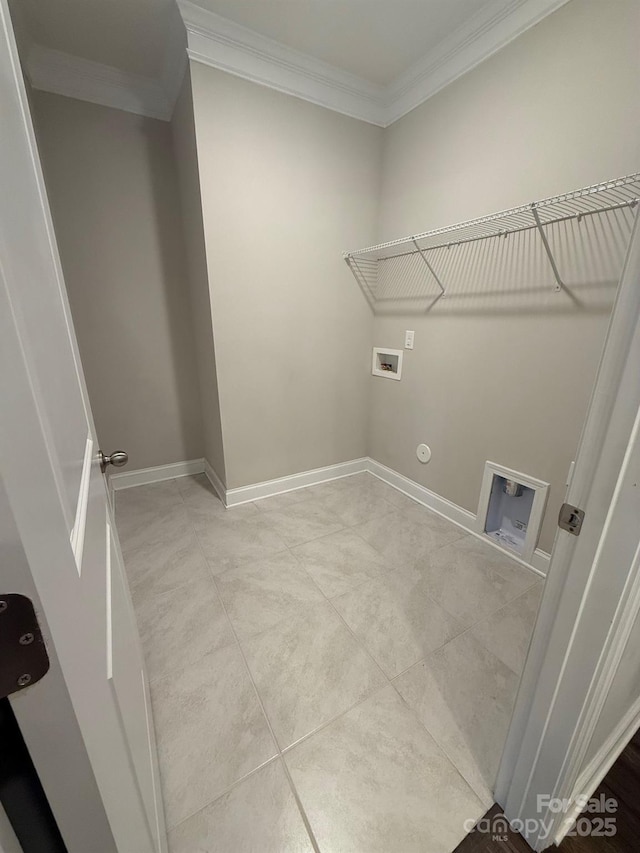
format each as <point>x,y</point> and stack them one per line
<point>186,156</point>
<point>491,377</point>
<point>113,192</point>
<point>269,328</point>
<point>286,187</point>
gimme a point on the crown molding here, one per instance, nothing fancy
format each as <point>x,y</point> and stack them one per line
<point>62,74</point>
<point>205,37</point>
<point>175,59</point>
<point>491,29</point>
<point>220,43</point>
<point>223,44</point>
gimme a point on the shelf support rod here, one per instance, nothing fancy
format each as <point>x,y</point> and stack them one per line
<point>547,248</point>
<point>361,279</point>
<point>430,268</point>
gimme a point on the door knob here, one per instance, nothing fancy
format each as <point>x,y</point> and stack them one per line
<point>118,458</point>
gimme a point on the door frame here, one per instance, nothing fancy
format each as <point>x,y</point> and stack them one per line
<point>587,608</point>
<point>563,683</point>
<point>75,765</point>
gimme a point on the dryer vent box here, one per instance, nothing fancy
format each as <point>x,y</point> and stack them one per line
<point>511,509</point>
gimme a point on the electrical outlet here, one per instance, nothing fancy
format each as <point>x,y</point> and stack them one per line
<point>408,340</point>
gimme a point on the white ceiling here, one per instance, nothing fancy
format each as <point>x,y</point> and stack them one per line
<point>375,39</point>
<point>374,60</point>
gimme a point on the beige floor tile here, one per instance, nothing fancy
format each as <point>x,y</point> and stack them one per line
<point>179,627</point>
<point>400,500</point>
<point>507,632</point>
<point>204,505</point>
<point>309,669</point>
<point>303,522</point>
<point>259,815</point>
<point>406,581</point>
<point>260,594</point>
<point>196,489</point>
<point>464,696</point>
<point>337,485</point>
<point>339,562</point>
<point>165,564</point>
<point>408,535</point>
<point>397,619</point>
<point>227,542</point>
<point>210,731</point>
<point>472,580</point>
<point>151,498</point>
<point>143,512</point>
<point>144,528</point>
<point>283,501</point>
<point>357,504</point>
<point>375,781</point>
<point>485,554</point>
<point>374,486</point>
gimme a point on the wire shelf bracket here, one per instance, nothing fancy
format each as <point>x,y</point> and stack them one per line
<point>600,198</point>
<point>547,248</point>
<point>430,268</point>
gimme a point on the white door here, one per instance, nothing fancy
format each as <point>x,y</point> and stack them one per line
<point>57,494</point>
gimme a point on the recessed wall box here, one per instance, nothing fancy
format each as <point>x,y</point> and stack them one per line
<point>387,363</point>
<point>510,509</point>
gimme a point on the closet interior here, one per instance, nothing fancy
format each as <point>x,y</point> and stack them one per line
<point>336,577</point>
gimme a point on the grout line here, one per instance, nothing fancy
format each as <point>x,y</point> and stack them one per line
<point>294,791</point>
<point>224,793</point>
<point>454,764</point>
<point>280,751</point>
<point>358,639</point>
<point>388,680</point>
<point>303,814</point>
<point>278,754</point>
<point>335,719</point>
<point>467,630</point>
<point>391,680</point>
<point>276,744</point>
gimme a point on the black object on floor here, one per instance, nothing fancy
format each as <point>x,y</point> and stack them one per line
<point>21,793</point>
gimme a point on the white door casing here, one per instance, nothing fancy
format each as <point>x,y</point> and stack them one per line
<point>584,616</point>
<point>58,499</point>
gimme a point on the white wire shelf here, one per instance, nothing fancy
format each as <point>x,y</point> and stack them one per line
<point>407,255</point>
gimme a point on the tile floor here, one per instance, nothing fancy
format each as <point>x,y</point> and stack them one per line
<point>331,669</point>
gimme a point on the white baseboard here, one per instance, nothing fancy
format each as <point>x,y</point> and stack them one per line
<point>422,495</point>
<point>540,562</point>
<point>268,489</point>
<point>144,476</point>
<point>599,766</point>
<point>452,512</point>
<point>215,481</point>
<point>255,492</point>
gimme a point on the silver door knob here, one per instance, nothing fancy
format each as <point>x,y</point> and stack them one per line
<point>118,458</point>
